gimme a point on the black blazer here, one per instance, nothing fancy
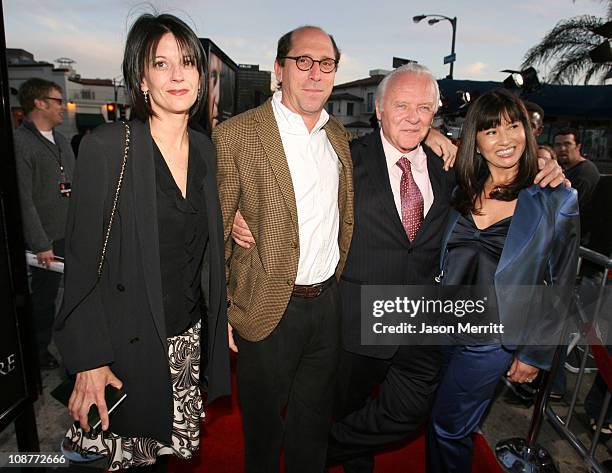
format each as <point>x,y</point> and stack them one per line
<point>120,321</point>
<point>380,252</point>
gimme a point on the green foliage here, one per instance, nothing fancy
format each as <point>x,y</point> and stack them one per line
<point>566,50</point>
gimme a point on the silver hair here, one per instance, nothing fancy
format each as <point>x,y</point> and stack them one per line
<point>410,68</point>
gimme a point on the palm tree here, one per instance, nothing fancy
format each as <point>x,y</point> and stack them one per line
<point>567,48</point>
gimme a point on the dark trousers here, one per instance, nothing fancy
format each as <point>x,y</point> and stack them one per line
<point>469,378</point>
<point>44,287</point>
<point>366,423</point>
<point>286,386</point>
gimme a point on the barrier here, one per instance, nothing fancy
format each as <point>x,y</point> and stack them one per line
<point>524,455</point>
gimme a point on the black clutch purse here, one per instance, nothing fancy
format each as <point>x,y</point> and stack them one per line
<point>112,396</point>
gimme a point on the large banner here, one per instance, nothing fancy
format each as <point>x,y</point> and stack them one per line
<point>12,373</point>
<point>221,86</point>
<point>221,90</point>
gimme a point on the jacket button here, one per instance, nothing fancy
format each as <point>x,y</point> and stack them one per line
<point>134,340</point>
<point>294,244</point>
<point>229,303</point>
<point>120,287</point>
<point>289,282</point>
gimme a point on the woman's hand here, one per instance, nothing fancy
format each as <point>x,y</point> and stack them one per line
<point>88,390</point>
<point>520,372</point>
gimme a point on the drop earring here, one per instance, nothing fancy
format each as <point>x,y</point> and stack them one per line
<point>145,93</point>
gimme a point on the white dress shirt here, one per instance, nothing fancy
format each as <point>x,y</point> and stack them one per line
<point>418,166</point>
<point>315,173</point>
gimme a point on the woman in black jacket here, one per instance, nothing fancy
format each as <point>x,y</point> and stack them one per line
<point>154,321</point>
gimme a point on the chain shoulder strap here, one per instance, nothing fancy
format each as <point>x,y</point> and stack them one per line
<point>126,151</point>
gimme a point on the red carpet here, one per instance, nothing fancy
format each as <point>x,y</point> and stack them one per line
<point>221,448</point>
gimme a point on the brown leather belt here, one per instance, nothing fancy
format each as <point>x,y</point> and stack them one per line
<point>311,290</point>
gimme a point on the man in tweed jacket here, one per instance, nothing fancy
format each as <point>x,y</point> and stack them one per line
<point>286,165</point>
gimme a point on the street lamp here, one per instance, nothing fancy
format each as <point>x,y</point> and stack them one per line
<point>433,19</point>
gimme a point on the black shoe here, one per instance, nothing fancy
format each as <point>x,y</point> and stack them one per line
<point>47,361</point>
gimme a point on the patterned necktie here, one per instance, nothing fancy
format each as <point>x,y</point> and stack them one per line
<point>411,198</point>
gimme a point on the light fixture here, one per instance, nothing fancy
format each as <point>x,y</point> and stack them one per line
<point>526,80</point>
<point>463,97</point>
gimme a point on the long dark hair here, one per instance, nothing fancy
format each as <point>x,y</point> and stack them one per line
<point>472,171</point>
<point>140,47</point>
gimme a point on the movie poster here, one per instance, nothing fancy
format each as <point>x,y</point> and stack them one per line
<point>221,90</point>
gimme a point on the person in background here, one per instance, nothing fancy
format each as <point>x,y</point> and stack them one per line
<point>581,172</point>
<point>154,321</point>
<point>536,118</point>
<point>45,165</point>
<point>75,142</point>
<point>546,152</point>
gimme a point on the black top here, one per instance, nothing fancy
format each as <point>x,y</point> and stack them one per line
<point>183,235</point>
<point>584,177</point>
<point>473,255</point>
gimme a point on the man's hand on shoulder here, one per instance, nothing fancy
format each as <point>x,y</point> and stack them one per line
<point>442,146</point>
<point>551,174</point>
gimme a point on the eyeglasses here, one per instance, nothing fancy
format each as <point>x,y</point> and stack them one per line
<point>305,63</point>
<point>58,101</point>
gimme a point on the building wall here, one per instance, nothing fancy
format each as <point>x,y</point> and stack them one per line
<point>362,111</point>
<point>253,87</point>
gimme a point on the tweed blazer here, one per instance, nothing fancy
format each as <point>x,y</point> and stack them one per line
<point>253,176</point>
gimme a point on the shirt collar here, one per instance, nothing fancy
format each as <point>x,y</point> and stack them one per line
<point>417,157</point>
<point>291,122</point>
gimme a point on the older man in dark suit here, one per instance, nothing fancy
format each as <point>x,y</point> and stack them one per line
<point>403,193</point>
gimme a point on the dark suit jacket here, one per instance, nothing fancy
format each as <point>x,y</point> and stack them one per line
<point>541,248</point>
<point>254,177</point>
<point>120,321</point>
<point>380,251</point>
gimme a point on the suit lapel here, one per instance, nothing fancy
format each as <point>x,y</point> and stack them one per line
<point>339,142</point>
<point>269,136</point>
<point>145,208</point>
<point>376,163</point>
<point>436,175</point>
<point>453,216</point>
<point>524,223</point>
<point>210,285</point>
